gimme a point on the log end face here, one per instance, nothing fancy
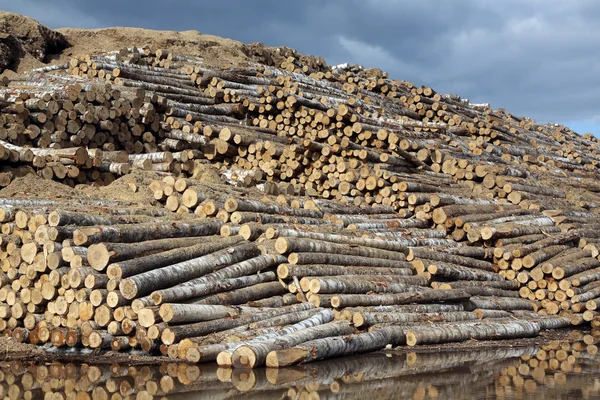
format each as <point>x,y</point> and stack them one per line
<point>113,271</point>
<point>411,338</point>
<point>486,233</point>
<point>284,358</point>
<point>336,302</point>
<point>231,205</point>
<point>128,289</point>
<point>281,245</point>
<point>283,271</point>
<point>358,319</point>
<point>54,218</point>
<point>243,357</point>
<point>167,337</point>
<point>165,311</point>
<point>98,256</point>
<point>224,359</point>
<point>193,355</point>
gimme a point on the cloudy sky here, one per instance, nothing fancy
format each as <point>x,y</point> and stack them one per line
<point>536,58</point>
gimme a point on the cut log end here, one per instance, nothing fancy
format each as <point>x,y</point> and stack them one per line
<point>243,357</point>
<point>168,337</point>
<point>193,355</point>
<point>411,338</point>
<point>224,359</point>
<point>98,256</point>
<point>284,358</point>
<point>281,245</point>
<point>358,320</point>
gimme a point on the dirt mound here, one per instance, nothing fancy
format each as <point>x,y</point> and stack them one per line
<point>25,39</point>
<point>216,51</point>
<point>32,185</point>
<point>26,44</point>
<point>123,188</point>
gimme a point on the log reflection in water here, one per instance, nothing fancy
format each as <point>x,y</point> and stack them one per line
<point>564,368</point>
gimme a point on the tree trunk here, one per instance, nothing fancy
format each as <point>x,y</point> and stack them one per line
<point>500,303</point>
<point>505,284</point>
<point>176,333</point>
<point>458,272</point>
<point>575,267</point>
<point>285,271</point>
<point>485,330</point>
<point>186,313</point>
<point>343,259</point>
<point>363,319</point>
<point>102,254</point>
<point>334,286</point>
<point>222,351</point>
<point>335,346</point>
<point>295,245</point>
<point>275,301</point>
<point>147,282</point>
<point>226,357</point>
<point>187,291</point>
<point>449,258</point>
<point>244,295</point>
<point>255,354</point>
<point>142,232</point>
<point>392,244</point>
<point>151,262</point>
<point>537,257</point>
<point>429,296</point>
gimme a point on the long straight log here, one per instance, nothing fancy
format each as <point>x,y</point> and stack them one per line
<point>185,313</point>
<point>176,333</point>
<point>500,303</point>
<point>430,296</point>
<point>335,346</point>
<point>459,272</point>
<point>215,282</point>
<point>285,245</point>
<point>255,354</point>
<point>245,294</point>
<point>334,286</point>
<point>343,259</point>
<point>392,245</point>
<point>101,254</point>
<point>480,331</point>
<point>503,284</point>
<point>449,258</point>
<point>362,319</point>
<point>222,351</point>
<point>285,271</point>
<point>127,268</point>
<point>147,282</point>
<point>142,232</point>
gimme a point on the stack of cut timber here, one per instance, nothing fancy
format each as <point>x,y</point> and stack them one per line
<point>83,274</point>
<point>383,211</point>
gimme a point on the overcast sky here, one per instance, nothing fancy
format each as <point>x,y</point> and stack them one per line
<point>536,58</point>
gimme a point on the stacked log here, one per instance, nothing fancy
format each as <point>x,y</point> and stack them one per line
<point>394,206</point>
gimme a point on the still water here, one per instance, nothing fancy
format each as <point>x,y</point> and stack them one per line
<point>558,369</point>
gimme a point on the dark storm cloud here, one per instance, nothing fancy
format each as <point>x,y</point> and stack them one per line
<point>538,58</point>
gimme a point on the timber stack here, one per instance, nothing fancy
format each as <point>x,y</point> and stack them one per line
<point>352,212</point>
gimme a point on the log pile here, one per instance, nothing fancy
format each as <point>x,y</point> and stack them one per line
<point>113,276</point>
<point>353,211</point>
